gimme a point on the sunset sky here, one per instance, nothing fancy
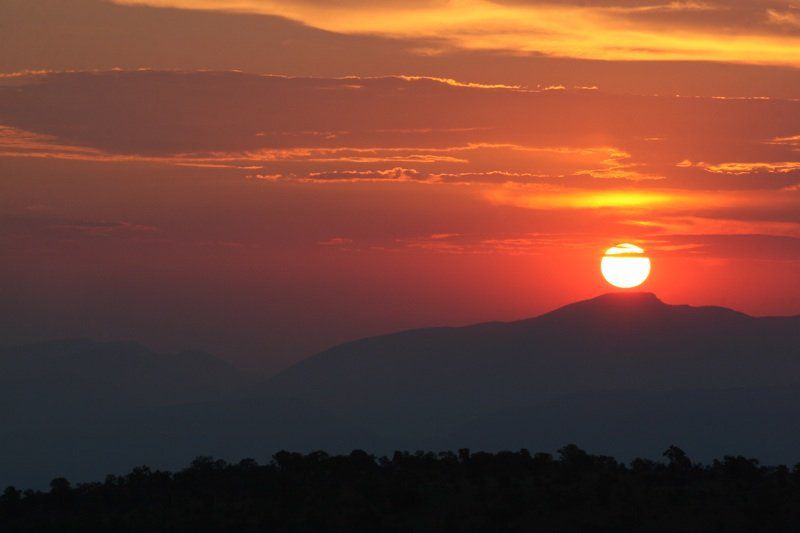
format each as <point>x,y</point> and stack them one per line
<point>264,178</point>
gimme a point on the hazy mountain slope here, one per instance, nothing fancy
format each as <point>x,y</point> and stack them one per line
<point>169,436</point>
<point>430,381</point>
<point>77,379</point>
<point>83,409</point>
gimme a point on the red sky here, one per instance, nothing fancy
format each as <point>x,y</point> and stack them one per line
<point>263,179</point>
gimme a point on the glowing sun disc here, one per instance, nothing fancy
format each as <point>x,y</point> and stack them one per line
<point>625,266</point>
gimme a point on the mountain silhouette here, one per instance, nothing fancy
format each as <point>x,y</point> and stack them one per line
<point>623,374</point>
<point>80,378</point>
<point>428,382</point>
<point>83,409</point>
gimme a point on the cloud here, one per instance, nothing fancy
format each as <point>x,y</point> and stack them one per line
<point>619,167</point>
<point>471,85</point>
<point>693,225</point>
<point>791,140</point>
<point>606,30</point>
<point>558,161</point>
<point>396,174</point>
<point>553,197</point>
<point>666,201</point>
<point>481,244</point>
<point>336,241</point>
<point>42,225</point>
<point>745,247</point>
<point>507,147</point>
<point>54,35</point>
<point>493,176</point>
<point>265,177</point>
<point>740,168</point>
<point>789,18</point>
<point>153,114</point>
<point>103,229</point>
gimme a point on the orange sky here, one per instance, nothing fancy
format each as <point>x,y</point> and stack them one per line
<point>755,31</point>
<point>262,179</point>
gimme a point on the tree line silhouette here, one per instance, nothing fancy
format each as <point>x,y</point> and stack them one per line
<point>422,491</point>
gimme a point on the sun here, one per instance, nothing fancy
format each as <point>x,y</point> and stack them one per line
<point>625,266</point>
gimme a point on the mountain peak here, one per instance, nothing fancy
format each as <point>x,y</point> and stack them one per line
<point>642,311</point>
<point>613,303</point>
<point>628,298</point>
<point>623,301</point>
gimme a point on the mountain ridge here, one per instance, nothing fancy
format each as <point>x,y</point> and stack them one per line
<point>421,381</point>
<point>648,298</point>
<point>622,373</point>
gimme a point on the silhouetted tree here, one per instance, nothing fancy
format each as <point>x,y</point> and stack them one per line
<point>422,491</point>
<point>59,485</point>
<point>677,458</point>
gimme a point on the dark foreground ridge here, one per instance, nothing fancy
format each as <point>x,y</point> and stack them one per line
<point>506,491</point>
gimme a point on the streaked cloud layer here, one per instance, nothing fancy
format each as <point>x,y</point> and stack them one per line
<point>764,32</point>
<point>96,34</point>
<point>647,159</point>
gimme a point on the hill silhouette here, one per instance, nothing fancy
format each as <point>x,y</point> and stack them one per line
<point>428,382</point>
<point>83,409</point>
<point>80,376</point>
<point>623,374</point>
<point>467,491</point>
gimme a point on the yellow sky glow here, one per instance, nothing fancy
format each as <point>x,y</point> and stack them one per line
<point>592,33</point>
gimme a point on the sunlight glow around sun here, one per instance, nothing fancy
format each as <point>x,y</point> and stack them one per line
<point>625,266</point>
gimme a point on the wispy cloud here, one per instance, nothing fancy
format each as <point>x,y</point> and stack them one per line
<point>397,174</point>
<point>777,167</point>
<point>696,30</point>
<point>693,225</point>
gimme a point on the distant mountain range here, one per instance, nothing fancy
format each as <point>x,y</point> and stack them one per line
<point>84,409</point>
<point>623,374</point>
